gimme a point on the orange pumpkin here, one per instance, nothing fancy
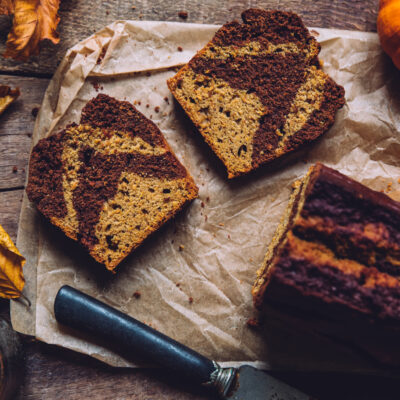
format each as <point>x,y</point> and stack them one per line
<point>388,25</point>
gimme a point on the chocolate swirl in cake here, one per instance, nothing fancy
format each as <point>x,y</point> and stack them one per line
<point>110,181</point>
<point>256,90</point>
<point>337,250</point>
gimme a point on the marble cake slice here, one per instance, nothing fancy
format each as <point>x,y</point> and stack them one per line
<point>256,91</point>
<point>336,250</point>
<point>110,181</point>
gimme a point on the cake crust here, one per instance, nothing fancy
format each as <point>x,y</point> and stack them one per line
<point>110,181</point>
<point>256,91</point>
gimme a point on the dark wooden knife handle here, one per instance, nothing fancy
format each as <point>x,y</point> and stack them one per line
<point>84,313</point>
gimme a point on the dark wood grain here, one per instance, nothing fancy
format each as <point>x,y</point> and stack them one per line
<point>10,206</point>
<point>80,19</point>
<point>54,373</point>
<point>16,127</point>
<point>58,374</point>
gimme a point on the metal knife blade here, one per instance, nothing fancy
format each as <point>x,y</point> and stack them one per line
<point>254,384</point>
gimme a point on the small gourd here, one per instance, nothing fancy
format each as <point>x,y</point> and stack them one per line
<point>388,25</point>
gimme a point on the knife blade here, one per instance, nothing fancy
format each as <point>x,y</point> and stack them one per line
<point>135,340</point>
<point>252,383</point>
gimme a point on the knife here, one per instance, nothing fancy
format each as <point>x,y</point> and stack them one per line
<point>79,311</point>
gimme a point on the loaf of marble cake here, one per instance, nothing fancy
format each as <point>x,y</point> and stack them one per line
<point>257,91</point>
<point>336,252</point>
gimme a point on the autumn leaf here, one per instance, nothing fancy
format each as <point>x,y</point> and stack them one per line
<point>7,7</point>
<point>11,262</point>
<point>7,96</point>
<point>34,21</point>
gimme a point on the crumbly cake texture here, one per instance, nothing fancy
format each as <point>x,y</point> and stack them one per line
<point>338,243</point>
<point>256,91</point>
<point>110,181</point>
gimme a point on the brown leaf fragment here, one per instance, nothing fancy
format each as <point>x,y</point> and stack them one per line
<point>7,96</point>
<point>11,262</point>
<point>34,21</point>
<point>6,7</point>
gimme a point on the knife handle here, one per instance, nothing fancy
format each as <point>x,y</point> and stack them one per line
<point>84,313</point>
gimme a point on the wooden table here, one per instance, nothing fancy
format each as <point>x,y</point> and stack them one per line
<point>54,373</point>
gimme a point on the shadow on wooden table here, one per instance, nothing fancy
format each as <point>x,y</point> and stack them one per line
<point>89,378</point>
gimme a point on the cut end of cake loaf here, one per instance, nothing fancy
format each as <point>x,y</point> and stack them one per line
<point>256,91</point>
<point>339,244</point>
<point>110,181</point>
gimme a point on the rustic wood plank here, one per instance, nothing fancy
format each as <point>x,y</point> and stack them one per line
<point>59,374</point>
<point>10,207</point>
<point>14,153</point>
<point>16,127</point>
<point>18,118</point>
<point>80,19</point>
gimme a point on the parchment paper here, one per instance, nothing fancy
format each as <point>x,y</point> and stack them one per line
<point>211,251</point>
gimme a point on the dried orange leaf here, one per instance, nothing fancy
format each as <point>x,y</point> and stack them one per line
<point>7,96</point>
<point>11,262</point>
<point>6,7</point>
<point>34,21</point>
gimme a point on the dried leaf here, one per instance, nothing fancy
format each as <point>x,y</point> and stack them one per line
<point>11,262</point>
<point>34,21</point>
<point>6,7</point>
<point>7,96</point>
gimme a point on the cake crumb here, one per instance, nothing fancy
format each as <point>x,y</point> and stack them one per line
<point>147,105</point>
<point>157,109</point>
<point>221,224</point>
<point>137,294</point>
<point>180,48</point>
<point>96,86</point>
<point>253,323</point>
<point>177,284</point>
<point>15,169</point>
<point>183,14</point>
<point>166,99</point>
<point>296,184</point>
<point>101,56</point>
<point>181,247</point>
<point>398,180</point>
<point>389,187</point>
<point>133,7</point>
<point>202,204</point>
<point>190,300</point>
<point>229,236</point>
<point>29,134</point>
<point>35,111</point>
<point>207,199</point>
